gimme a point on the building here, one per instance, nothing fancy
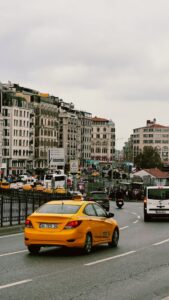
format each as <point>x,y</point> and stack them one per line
<point>17,133</point>
<point>154,135</point>
<point>85,119</point>
<point>103,140</point>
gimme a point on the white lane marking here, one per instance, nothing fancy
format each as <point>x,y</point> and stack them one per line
<point>10,235</point>
<point>133,213</point>
<point>162,242</point>
<point>135,222</point>
<point>109,258</point>
<point>122,228</point>
<point>14,283</point>
<point>11,253</point>
<point>138,217</point>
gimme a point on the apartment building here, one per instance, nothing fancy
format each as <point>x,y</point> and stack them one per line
<point>34,123</point>
<point>103,140</point>
<point>153,134</point>
<point>1,128</point>
<point>85,133</point>
<point>46,128</point>
<point>17,133</point>
<point>69,132</point>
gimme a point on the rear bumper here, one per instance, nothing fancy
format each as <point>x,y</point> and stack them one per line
<point>156,214</point>
<point>69,238</point>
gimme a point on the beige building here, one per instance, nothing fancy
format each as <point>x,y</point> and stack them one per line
<point>69,132</point>
<point>85,119</point>
<point>154,135</point>
<point>103,140</point>
<point>17,133</point>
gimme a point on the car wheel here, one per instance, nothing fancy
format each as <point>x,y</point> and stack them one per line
<point>146,217</point>
<point>34,249</point>
<point>88,244</point>
<point>115,238</point>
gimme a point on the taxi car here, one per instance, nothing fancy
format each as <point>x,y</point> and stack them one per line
<point>5,185</point>
<point>38,188</point>
<point>70,223</point>
<point>27,187</point>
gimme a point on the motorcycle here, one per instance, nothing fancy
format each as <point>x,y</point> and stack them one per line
<point>119,202</point>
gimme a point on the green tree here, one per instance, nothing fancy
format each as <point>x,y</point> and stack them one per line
<point>149,158</point>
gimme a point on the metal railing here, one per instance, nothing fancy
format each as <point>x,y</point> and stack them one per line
<point>15,206</point>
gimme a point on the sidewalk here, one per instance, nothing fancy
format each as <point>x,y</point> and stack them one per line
<point>6,230</point>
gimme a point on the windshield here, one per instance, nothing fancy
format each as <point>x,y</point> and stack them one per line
<point>158,194</point>
<point>58,209</point>
<point>98,196</point>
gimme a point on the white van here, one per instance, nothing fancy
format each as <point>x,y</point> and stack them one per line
<point>156,202</point>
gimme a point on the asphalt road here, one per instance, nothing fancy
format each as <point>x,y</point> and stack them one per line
<point>137,269</point>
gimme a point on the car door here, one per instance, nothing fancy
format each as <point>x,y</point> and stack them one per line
<point>92,221</point>
<point>103,227</point>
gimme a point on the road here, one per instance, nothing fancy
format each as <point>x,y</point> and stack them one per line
<point>138,269</point>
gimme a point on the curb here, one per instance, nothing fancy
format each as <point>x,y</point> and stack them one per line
<point>6,230</point>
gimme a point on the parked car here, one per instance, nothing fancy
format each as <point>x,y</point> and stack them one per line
<point>100,197</point>
<point>70,223</point>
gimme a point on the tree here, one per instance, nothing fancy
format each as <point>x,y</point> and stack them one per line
<point>149,158</point>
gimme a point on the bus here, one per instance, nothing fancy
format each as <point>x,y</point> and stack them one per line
<point>156,202</point>
<point>55,180</point>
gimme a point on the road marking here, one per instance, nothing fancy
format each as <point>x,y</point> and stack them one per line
<point>162,242</point>
<point>109,258</point>
<point>122,228</point>
<point>14,283</point>
<point>10,235</point>
<point>11,253</point>
<point>138,217</point>
<point>135,222</point>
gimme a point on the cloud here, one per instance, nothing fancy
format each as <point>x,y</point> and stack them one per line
<point>105,55</point>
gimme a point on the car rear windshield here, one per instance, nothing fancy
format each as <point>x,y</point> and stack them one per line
<point>58,209</point>
<point>98,196</point>
<point>158,194</point>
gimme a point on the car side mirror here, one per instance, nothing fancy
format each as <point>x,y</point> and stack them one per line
<point>110,215</point>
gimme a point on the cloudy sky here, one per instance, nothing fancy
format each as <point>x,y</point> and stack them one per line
<point>108,57</point>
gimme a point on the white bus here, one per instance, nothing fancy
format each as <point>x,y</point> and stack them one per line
<point>156,202</point>
<point>55,180</point>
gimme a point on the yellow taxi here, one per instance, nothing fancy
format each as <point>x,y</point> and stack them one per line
<point>5,185</point>
<point>38,188</point>
<point>59,190</point>
<point>70,223</point>
<point>27,187</point>
<point>48,190</point>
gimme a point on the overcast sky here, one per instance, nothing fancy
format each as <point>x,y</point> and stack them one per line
<point>108,57</point>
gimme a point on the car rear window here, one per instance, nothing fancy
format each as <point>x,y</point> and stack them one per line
<point>158,194</point>
<point>98,196</point>
<point>58,209</point>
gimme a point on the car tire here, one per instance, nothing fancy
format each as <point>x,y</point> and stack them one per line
<point>146,217</point>
<point>34,249</point>
<point>115,238</point>
<point>88,244</point>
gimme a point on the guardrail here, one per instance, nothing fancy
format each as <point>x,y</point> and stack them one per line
<point>15,205</point>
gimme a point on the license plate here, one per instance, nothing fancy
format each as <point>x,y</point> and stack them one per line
<point>48,225</point>
<point>160,212</point>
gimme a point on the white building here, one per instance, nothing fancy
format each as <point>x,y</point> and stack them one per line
<point>154,135</point>
<point>103,140</point>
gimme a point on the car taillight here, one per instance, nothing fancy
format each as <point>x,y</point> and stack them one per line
<point>28,224</point>
<point>72,224</point>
